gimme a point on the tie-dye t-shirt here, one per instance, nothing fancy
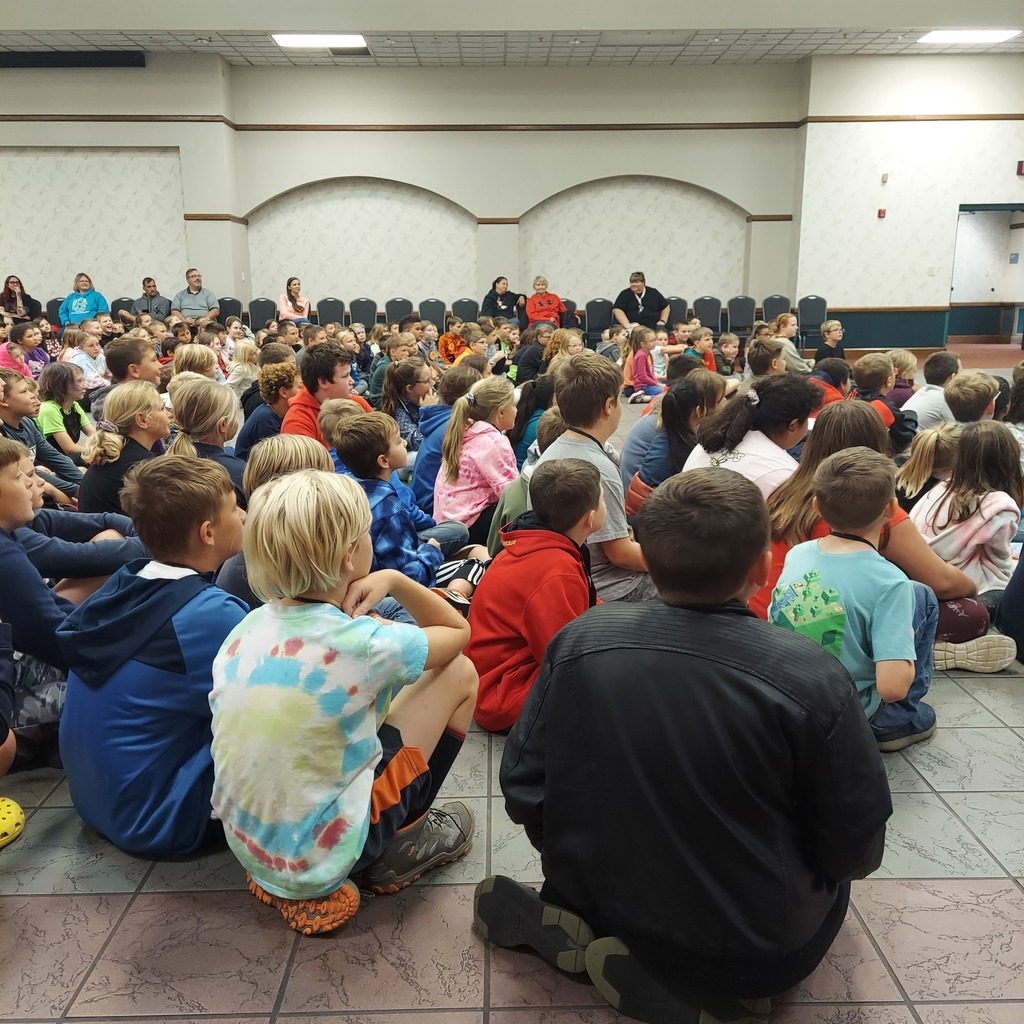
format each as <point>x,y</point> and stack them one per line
<point>298,696</point>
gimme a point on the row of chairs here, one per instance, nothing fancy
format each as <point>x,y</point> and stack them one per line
<point>737,315</point>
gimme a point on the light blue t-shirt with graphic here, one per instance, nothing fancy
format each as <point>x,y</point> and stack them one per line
<point>298,696</point>
<point>857,605</point>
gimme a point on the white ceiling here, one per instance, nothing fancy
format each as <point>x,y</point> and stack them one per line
<point>536,48</point>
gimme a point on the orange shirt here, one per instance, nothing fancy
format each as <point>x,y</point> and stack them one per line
<point>447,346</point>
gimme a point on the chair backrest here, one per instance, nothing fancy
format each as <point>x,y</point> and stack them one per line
<point>53,311</point>
<point>260,311</point>
<point>709,310</point>
<point>776,305</point>
<point>742,310</point>
<point>570,318</point>
<point>229,306</point>
<point>330,311</point>
<point>124,303</point>
<point>432,310</point>
<point>363,311</point>
<point>466,309</point>
<point>811,313</point>
<point>599,318</point>
<point>395,309</point>
<point>678,309</point>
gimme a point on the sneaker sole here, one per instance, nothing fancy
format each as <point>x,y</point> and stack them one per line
<point>312,917</point>
<point>890,746</point>
<point>631,990</point>
<point>508,914</point>
<point>990,653</point>
<point>400,882</point>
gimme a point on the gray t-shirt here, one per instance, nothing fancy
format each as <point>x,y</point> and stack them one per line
<point>611,581</point>
<point>195,304</point>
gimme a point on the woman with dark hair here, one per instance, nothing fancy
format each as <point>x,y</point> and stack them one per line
<point>752,435</point>
<point>681,410</point>
<point>499,301</point>
<point>291,304</point>
<point>16,302</point>
<point>535,397</point>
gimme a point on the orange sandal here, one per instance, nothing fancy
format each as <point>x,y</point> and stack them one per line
<point>312,917</point>
<point>12,821</point>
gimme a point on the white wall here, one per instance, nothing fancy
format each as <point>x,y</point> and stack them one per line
<point>586,241</point>
<point>1013,276</point>
<point>115,214</point>
<point>826,175</point>
<point>980,256</point>
<point>354,237</point>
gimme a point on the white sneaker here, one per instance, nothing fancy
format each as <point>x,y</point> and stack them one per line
<point>989,653</point>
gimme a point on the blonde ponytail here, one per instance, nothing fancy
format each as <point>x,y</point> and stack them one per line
<point>121,406</point>
<point>932,453</point>
<point>481,402</point>
<point>198,407</point>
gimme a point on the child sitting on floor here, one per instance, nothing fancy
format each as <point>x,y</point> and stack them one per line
<point>875,377</point>
<point>971,520</point>
<point>371,446</point>
<point>477,461</point>
<point>904,363</point>
<point>645,385</point>
<point>135,733</point>
<point>543,574</point>
<point>380,712</point>
<point>643,718</point>
<point>841,593</point>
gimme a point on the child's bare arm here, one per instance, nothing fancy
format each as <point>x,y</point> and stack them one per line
<point>447,631</point>
<point>624,553</point>
<point>893,679</point>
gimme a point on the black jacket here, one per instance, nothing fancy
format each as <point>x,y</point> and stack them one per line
<point>528,360</point>
<point>506,305</point>
<point>904,422</point>
<point>697,777</point>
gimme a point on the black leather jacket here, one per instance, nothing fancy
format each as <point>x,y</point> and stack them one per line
<point>698,777</point>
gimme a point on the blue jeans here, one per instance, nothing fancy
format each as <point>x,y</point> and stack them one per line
<point>912,712</point>
<point>451,536</point>
<point>389,608</point>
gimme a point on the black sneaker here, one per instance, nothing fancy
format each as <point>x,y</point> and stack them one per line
<point>508,913</point>
<point>442,835</point>
<point>634,991</point>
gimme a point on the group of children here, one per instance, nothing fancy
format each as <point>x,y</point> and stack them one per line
<point>374,602</point>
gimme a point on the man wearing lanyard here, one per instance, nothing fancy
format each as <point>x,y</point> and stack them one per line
<point>639,304</point>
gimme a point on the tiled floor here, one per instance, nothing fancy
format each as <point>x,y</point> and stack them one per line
<point>936,936</point>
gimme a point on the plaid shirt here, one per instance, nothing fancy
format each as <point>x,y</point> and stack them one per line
<point>396,544</point>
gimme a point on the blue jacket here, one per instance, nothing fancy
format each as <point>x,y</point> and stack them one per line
<point>264,422</point>
<point>59,544</point>
<point>65,474</point>
<point>28,604</point>
<point>135,732</point>
<point>393,532</point>
<point>79,306</point>
<point>433,423</point>
<point>234,466</point>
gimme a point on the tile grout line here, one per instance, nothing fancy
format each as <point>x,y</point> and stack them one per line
<point>285,978</point>
<point>970,831</point>
<point>103,947</point>
<point>977,700</point>
<point>885,960</point>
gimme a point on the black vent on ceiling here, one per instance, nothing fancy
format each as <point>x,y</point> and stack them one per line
<point>74,59</point>
<point>363,51</point>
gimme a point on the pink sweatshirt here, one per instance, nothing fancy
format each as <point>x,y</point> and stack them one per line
<point>643,370</point>
<point>978,547</point>
<point>487,466</point>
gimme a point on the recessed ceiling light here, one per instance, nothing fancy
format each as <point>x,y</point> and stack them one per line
<point>319,42</point>
<point>970,35</point>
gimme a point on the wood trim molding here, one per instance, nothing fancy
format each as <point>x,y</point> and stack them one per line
<point>765,218</point>
<point>497,220</point>
<point>1013,227</point>
<point>987,305</point>
<point>217,216</point>
<point>123,118</point>
<point>869,118</point>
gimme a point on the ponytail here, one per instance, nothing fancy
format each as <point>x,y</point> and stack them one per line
<point>128,400</point>
<point>481,402</point>
<point>397,377</point>
<point>932,452</point>
<point>198,407</point>
<point>769,405</point>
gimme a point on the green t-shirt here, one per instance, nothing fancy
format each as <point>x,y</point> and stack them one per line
<point>52,419</point>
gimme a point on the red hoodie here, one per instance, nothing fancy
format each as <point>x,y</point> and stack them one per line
<point>304,411</point>
<point>539,582</point>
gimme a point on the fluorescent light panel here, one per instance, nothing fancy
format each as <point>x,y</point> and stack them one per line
<point>970,35</point>
<point>319,41</point>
